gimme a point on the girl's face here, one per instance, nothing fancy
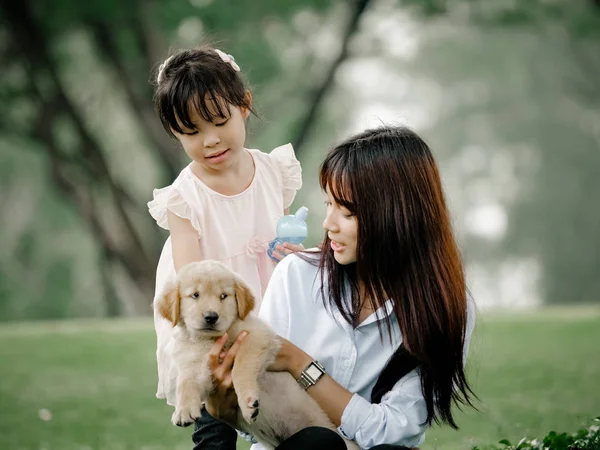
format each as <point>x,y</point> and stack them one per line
<point>216,145</point>
<point>342,228</point>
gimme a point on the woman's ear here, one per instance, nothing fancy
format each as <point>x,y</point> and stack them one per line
<point>168,303</point>
<point>244,297</point>
<point>247,109</point>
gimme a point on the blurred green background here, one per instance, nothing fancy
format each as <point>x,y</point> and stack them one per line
<point>507,93</point>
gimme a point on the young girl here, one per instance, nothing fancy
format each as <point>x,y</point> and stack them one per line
<point>225,204</point>
<point>383,307</point>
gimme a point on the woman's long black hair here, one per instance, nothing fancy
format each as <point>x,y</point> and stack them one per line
<point>406,252</point>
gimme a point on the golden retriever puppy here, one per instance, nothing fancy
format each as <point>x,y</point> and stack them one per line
<point>207,300</point>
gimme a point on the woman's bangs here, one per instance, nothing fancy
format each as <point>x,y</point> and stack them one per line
<point>335,177</point>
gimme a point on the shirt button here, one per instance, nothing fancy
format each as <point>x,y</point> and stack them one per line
<point>347,363</point>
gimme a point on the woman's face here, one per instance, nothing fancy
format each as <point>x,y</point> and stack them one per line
<point>342,228</point>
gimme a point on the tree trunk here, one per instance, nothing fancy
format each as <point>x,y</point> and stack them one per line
<point>85,177</point>
<point>318,95</point>
<point>141,105</point>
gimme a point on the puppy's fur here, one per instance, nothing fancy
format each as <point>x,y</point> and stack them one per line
<point>205,301</point>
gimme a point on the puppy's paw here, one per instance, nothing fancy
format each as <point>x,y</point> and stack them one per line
<point>185,415</point>
<point>250,407</point>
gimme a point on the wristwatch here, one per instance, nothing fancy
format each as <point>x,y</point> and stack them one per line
<point>311,374</point>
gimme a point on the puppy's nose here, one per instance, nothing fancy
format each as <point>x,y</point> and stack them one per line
<point>211,317</point>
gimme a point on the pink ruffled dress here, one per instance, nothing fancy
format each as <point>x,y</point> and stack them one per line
<point>235,230</point>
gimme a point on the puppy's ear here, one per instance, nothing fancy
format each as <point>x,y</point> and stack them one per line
<point>244,297</point>
<point>168,303</point>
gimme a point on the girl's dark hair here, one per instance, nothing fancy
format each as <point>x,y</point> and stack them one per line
<point>388,179</point>
<point>197,79</point>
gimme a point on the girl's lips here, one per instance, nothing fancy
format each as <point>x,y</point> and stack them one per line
<point>218,157</point>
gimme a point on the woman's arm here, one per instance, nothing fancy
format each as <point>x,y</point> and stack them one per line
<point>330,395</point>
<point>275,310</point>
<point>396,420</point>
<point>223,398</point>
<point>184,241</point>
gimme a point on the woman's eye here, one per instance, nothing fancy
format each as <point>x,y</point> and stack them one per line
<point>223,296</point>
<point>195,295</point>
<point>220,124</point>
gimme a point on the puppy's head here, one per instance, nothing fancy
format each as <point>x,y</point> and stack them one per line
<point>206,297</point>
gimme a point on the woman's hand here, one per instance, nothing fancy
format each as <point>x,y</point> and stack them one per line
<point>222,403</point>
<point>290,358</point>
<point>282,250</point>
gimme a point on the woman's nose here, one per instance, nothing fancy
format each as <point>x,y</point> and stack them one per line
<point>329,223</point>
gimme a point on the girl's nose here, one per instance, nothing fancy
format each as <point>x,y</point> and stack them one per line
<point>211,140</point>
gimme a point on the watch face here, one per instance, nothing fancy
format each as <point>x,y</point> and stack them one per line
<point>313,372</point>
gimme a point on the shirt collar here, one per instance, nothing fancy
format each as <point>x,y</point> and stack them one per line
<point>380,314</point>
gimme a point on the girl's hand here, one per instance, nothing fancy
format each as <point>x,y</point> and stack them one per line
<point>223,404</point>
<point>282,250</point>
<point>290,358</point>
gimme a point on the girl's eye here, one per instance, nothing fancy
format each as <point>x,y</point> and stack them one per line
<point>220,124</point>
<point>191,133</point>
<point>195,295</point>
<point>223,296</point>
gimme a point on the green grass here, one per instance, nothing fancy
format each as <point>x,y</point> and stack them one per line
<point>533,372</point>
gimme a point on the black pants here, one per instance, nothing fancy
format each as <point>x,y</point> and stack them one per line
<point>210,434</point>
<point>317,438</point>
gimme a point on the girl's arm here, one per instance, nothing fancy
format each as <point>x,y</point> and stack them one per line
<point>184,241</point>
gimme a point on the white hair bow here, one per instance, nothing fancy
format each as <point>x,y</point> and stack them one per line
<point>228,59</point>
<point>161,70</point>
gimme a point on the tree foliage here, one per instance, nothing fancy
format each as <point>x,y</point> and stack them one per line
<point>77,90</point>
<point>522,95</point>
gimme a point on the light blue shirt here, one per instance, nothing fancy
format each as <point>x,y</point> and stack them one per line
<point>354,357</point>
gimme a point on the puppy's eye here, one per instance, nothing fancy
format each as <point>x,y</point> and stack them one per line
<point>195,295</point>
<point>223,296</point>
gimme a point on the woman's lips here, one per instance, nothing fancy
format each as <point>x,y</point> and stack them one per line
<point>337,247</point>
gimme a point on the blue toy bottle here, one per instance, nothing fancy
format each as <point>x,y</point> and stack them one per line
<point>291,228</point>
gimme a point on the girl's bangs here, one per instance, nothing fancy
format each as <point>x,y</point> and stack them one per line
<point>190,97</point>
